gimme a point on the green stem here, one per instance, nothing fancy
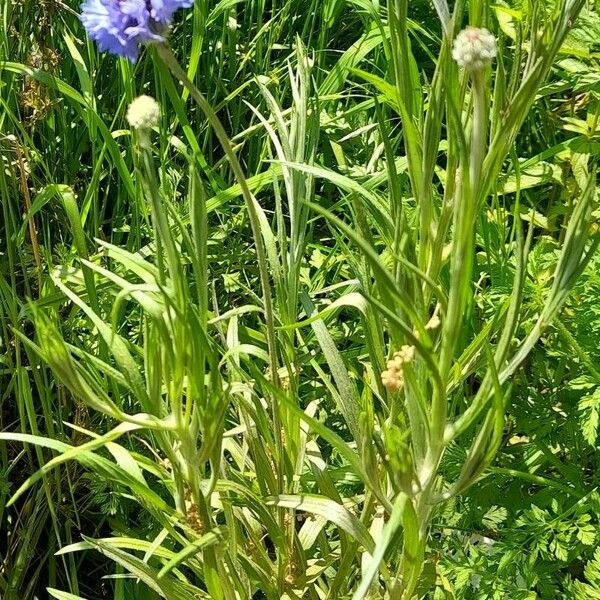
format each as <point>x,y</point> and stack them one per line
<point>479,132</point>
<point>161,223</point>
<point>167,56</point>
<point>464,239</point>
<point>165,53</point>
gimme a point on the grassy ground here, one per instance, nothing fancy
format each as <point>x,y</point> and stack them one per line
<point>191,348</point>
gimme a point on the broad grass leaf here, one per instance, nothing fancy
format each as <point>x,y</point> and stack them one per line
<point>208,539</point>
<point>441,7</point>
<point>388,91</point>
<point>85,81</point>
<point>103,467</point>
<point>349,399</point>
<point>126,543</point>
<point>336,78</point>
<point>144,294</point>
<point>91,446</point>
<point>543,173</point>
<point>63,595</point>
<point>351,300</point>
<point>330,510</point>
<point>379,209</point>
<point>169,588</point>
<point>389,530</point>
<point>133,262</point>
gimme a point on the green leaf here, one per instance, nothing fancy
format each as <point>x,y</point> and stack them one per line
<point>389,530</point>
<point>100,465</point>
<point>349,399</point>
<point>330,510</point>
<point>191,550</point>
<point>165,587</point>
<point>63,595</point>
<point>589,410</point>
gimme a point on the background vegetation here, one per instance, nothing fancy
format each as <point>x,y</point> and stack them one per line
<point>273,482</point>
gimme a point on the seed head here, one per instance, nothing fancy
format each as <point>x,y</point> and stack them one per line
<point>474,48</point>
<point>143,113</point>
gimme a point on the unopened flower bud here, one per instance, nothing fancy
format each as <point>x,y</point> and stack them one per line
<point>393,377</point>
<point>434,322</point>
<point>474,48</point>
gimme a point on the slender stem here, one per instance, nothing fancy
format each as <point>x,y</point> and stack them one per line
<point>167,56</point>
<point>466,205</point>
<point>479,131</point>
<point>160,220</point>
<point>35,245</point>
<point>462,258</point>
<point>165,53</point>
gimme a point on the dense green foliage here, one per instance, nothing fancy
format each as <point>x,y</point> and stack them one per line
<point>191,348</point>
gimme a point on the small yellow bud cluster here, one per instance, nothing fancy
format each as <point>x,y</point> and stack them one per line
<point>165,463</point>
<point>393,377</point>
<point>434,322</point>
<point>192,515</point>
<point>291,575</point>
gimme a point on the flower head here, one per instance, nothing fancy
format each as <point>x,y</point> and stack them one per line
<point>121,26</point>
<point>143,113</point>
<point>474,48</point>
<point>393,377</point>
<point>162,11</point>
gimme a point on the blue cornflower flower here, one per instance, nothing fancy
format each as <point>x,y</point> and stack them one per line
<point>120,26</point>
